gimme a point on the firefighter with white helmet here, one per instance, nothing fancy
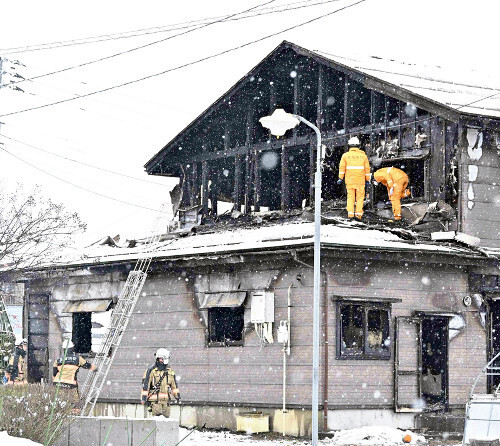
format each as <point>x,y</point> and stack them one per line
<point>159,384</point>
<point>355,169</point>
<point>17,369</point>
<point>65,368</point>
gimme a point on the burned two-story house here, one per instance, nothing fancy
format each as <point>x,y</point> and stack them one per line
<point>408,312</point>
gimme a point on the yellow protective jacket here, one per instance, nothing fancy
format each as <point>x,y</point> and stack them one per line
<point>17,369</point>
<point>67,375</point>
<point>153,392</point>
<point>390,175</point>
<point>355,167</point>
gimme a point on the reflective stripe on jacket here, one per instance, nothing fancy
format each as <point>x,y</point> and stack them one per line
<point>150,390</point>
<point>390,175</point>
<point>17,367</point>
<point>355,167</point>
<point>67,375</point>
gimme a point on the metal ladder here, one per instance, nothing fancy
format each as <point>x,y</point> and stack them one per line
<point>89,392</point>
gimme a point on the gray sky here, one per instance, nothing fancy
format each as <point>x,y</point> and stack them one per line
<point>121,129</point>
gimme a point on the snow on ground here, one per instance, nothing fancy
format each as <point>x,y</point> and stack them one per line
<point>7,440</point>
<point>364,436</point>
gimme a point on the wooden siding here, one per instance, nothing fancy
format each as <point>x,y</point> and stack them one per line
<point>252,374</point>
<point>483,220</point>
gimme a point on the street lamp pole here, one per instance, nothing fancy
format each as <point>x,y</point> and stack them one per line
<point>279,122</point>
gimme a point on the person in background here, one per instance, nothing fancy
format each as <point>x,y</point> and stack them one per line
<point>396,182</point>
<point>158,383</point>
<point>17,369</point>
<point>354,168</point>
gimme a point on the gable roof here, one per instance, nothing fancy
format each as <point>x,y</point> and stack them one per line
<point>443,92</point>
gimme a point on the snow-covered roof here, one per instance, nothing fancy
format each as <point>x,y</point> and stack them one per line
<point>464,90</point>
<point>261,238</point>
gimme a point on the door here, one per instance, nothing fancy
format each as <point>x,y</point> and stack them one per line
<point>407,357</point>
<point>38,337</point>
<point>493,341</point>
<point>434,378</point>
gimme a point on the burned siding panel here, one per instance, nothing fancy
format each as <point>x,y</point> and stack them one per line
<point>480,186</point>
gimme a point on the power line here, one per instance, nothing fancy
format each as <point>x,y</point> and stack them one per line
<point>121,53</point>
<point>160,29</point>
<point>188,63</point>
<point>82,163</point>
<point>76,185</point>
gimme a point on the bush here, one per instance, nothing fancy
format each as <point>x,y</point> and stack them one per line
<point>25,410</point>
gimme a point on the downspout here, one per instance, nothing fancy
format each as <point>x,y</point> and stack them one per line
<point>325,321</point>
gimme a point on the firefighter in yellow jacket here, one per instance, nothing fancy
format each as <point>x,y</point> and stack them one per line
<point>355,168</point>
<point>158,384</point>
<point>65,368</point>
<point>17,369</point>
<point>396,182</point>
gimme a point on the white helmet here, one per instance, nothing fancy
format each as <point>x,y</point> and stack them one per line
<point>164,354</point>
<point>67,343</point>
<point>354,141</point>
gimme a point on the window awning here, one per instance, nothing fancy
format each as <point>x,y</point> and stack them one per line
<point>375,300</point>
<point>87,306</point>
<point>223,299</point>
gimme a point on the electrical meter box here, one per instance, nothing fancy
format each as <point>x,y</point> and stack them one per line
<point>262,309</point>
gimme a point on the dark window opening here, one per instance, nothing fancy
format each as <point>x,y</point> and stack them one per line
<point>221,185</point>
<point>363,331</point>
<point>333,100</point>
<point>330,190</point>
<point>298,165</point>
<point>360,103</point>
<point>378,108</point>
<point>392,111</point>
<point>82,332</point>
<point>270,179</point>
<point>225,326</point>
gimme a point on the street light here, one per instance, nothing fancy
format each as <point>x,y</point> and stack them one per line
<point>278,123</point>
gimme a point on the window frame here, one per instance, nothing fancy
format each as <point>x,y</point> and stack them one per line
<point>367,305</point>
<point>226,342</point>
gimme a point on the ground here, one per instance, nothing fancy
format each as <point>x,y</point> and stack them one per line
<point>211,438</point>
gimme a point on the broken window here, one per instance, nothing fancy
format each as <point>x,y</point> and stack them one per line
<point>225,326</point>
<point>363,331</point>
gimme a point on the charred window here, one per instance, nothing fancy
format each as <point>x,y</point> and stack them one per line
<point>82,332</point>
<point>363,331</point>
<point>334,85</point>
<point>360,104</point>
<point>270,180</point>
<point>225,326</point>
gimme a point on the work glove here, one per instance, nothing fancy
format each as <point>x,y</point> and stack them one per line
<point>339,181</point>
<point>375,183</point>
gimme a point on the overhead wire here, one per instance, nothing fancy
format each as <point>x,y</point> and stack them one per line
<point>76,185</point>
<point>260,11</point>
<point>81,162</point>
<point>187,64</point>
<point>130,50</point>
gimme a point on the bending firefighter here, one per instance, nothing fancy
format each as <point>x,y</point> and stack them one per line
<point>354,166</point>
<point>16,373</point>
<point>157,385</point>
<point>65,368</point>
<point>396,182</point>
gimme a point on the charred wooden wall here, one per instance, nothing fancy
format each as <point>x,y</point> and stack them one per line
<point>480,171</point>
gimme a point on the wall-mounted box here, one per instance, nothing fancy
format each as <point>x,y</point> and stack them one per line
<point>262,309</point>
